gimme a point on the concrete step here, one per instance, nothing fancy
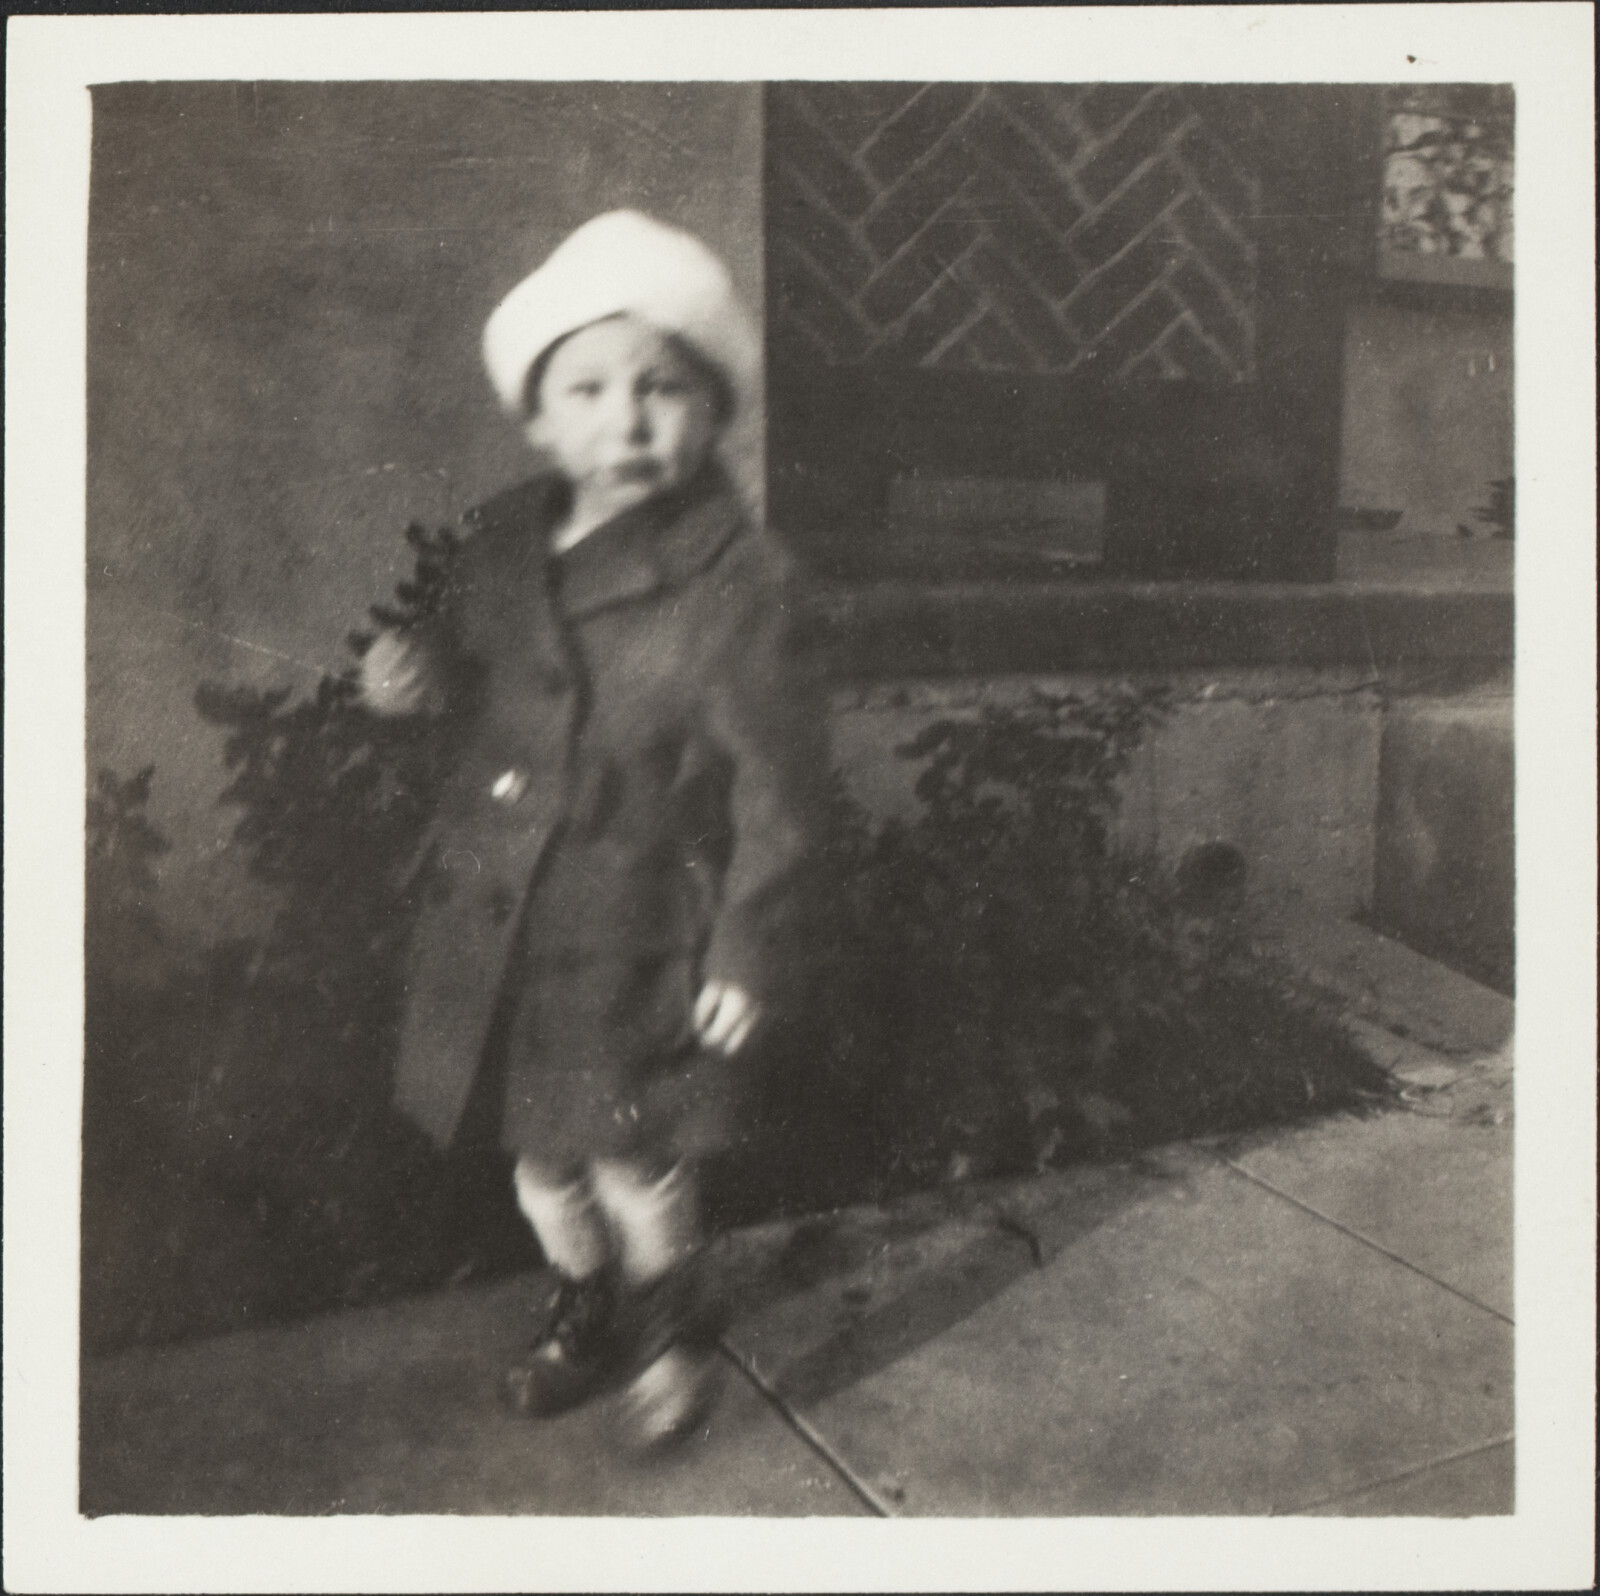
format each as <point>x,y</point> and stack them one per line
<point>1444,866</point>
<point>1384,982</point>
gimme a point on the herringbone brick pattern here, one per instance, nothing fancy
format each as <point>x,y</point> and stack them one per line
<point>1011,227</point>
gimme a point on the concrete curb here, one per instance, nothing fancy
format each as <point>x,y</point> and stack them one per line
<point>1385,985</point>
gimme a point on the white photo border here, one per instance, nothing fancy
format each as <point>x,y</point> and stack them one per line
<point>1546,50</point>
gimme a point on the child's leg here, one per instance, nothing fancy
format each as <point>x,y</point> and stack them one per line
<point>654,1211</point>
<point>562,1210</point>
<point>654,1214</point>
<point>576,1350</point>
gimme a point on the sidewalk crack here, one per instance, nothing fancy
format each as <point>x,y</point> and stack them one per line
<point>1013,1226</point>
<point>1366,1241</point>
<point>1394,1479</point>
<point>808,1433</point>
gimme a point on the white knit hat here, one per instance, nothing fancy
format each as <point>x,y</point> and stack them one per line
<point>619,263</point>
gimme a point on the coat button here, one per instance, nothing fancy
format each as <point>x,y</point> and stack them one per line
<point>509,786</point>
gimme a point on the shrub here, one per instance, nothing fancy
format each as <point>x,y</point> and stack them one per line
<point>1008,991</point>
<point>241,1155</point>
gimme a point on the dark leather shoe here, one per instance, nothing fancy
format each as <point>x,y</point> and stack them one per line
<point>679,1308</point>
<point>668,1334</point>
<point>574,1357</point>
<point>670,1399</point>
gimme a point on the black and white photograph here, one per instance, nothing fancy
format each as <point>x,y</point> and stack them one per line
<point>803,794</point>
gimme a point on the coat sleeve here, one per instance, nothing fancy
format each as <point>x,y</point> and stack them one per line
<point>766,714</point>
<point>417,669</point>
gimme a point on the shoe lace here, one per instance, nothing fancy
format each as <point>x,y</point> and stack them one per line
<point>579,1314</point>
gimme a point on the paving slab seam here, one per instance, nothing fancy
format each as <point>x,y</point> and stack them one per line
<point>1366,1241</point>
<point>808,1433</point>
<point>1475,1450</point>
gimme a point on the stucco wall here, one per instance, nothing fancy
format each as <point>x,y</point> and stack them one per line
<point>1427,413</point>
<point>287,283</point>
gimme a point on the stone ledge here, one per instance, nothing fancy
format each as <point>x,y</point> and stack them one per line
<point>901,628</point>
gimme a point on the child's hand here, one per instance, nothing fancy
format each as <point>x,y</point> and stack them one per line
<point>392,678</point>
<point>724,1015</point>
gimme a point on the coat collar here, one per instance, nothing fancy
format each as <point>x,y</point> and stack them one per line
<point>661,544</point>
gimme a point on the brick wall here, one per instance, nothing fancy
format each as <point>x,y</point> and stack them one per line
<point>1013,227</point>
<point>1136,289</point>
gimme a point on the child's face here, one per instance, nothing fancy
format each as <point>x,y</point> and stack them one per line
<point>623,413</point>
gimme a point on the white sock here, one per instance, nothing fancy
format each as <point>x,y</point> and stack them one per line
<point>657,1222</point>
<point>570,1228</point>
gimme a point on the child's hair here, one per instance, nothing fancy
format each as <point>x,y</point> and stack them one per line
<point>710,374</point>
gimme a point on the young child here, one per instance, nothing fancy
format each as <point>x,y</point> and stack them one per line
<point>632,757</point>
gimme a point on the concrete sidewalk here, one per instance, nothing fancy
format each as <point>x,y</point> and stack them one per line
<point>1312,1321</point>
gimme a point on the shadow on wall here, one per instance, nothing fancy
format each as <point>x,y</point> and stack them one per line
<point>287,282</point>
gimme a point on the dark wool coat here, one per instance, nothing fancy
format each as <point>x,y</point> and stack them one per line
<point>634,754</point>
